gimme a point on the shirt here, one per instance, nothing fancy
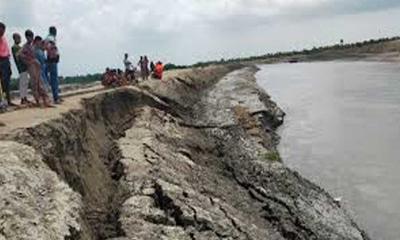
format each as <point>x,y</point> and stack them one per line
<point>128,65</point>
<point>4,48</point>
<point>52,50</point>
<point>27,54</point>
<point>40,56</point>
<point>20,65</point>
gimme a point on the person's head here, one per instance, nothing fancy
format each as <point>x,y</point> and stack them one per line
<point>53,31</point>
<point>29,36</point>
<point>38,42</point>
<point>17,38</point>
<point>145,57</point>
<point>141,57</point>
<point>2,29</point>
<point>126,55</point>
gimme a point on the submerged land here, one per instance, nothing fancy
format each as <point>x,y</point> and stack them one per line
<point>193,157</point>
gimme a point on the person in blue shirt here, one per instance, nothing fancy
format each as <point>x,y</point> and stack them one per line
<point>41,57</point>
<point>53,58</point>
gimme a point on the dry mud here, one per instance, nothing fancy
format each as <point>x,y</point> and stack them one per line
<point>193,158</point>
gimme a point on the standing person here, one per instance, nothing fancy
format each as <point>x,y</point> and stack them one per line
<point>129,69</point>
<point>38,45</point>
<point>158,71</point>
<point>140,64</point>
<point>22,70</point>
<point>152,66</point>
<point>146,67</point>
<point>127,63</point>
<point>5,66</point>
<point>27,55</point>
<point>53,58</point>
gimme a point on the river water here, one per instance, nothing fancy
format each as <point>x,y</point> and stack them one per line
<point>342,131</point>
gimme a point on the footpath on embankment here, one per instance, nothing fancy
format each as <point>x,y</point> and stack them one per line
<point>190,158</point>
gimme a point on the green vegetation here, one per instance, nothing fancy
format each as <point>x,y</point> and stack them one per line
<point>82,79</point>
<point>171,66</point>
<point>305,52</point>
<point>272,156</point>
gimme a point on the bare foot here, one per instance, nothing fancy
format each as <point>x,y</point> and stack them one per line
<point>11,104</point>
<point>48,105</point>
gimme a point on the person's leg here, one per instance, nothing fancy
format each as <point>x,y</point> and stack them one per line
<point>1,79</point>
<point>5,69</point>
<point>23,85</point>
<point>40,91</point>
<point>35,79</point>
<point>45,76</point>
<point>53,70</point>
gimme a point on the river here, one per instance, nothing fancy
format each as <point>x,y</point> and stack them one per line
<point>342,131</point>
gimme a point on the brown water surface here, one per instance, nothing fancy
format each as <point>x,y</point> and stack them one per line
<point>342,131</point>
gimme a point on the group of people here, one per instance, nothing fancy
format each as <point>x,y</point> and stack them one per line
<point>37,63</point>
<point>117,78</point>
<point>146,69</point>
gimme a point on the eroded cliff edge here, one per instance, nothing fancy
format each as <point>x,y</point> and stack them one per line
<point>194,158</point>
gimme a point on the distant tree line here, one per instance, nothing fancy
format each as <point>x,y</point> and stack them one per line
<point>314,50</point>
<point>80,79</point>
<point>171,66</point>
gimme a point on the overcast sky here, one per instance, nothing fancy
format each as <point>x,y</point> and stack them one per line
<point>94,34</point>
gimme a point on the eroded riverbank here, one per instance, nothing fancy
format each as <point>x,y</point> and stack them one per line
<point>194,159</point>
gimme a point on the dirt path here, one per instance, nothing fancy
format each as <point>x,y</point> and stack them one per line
<point>30,117</point>
<point>26,118</point>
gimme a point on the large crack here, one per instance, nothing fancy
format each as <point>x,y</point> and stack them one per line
<point>84,152</point>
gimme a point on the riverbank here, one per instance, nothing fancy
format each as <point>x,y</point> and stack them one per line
<point>191,158</point>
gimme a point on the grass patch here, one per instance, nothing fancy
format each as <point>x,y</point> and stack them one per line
<point>272,156</point>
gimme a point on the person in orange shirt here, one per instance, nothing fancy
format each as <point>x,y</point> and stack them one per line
<point>158,71</point>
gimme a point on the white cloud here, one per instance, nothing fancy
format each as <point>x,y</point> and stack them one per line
<point>95,33</point>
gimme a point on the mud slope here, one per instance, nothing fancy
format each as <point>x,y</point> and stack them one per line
<point>194,158</point>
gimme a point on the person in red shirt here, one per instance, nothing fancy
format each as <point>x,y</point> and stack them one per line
<point>5,66</point>
<point>158,71</point>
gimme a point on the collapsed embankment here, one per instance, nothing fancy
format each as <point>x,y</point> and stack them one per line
<point>194,158</point>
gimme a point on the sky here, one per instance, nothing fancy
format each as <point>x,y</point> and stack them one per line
<point>94,34</point>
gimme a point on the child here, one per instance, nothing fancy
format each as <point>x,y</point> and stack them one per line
<point>41,57</point>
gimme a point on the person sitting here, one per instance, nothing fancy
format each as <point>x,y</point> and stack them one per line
<point>158,70</point>
<point>107,78</point>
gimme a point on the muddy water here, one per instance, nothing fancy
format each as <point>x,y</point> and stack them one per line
<point>342,131</point>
